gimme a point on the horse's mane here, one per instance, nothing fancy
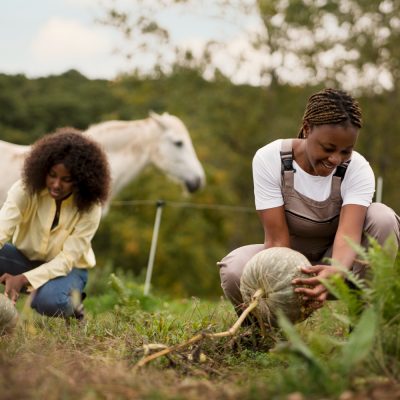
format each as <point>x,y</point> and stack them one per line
<point>114,134</point>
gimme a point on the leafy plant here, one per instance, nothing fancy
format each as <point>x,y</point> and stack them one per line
<point>373,345</point>
<point>130,296</point>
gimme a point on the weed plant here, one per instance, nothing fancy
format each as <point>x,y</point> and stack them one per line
<point>328,364</point>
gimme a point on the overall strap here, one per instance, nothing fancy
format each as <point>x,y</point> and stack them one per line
<point>337,178</point>
<point>287,155</point>
<point>287,169</point>
<point>341,170</point>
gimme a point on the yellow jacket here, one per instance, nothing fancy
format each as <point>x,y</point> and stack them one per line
<point>26,220</point>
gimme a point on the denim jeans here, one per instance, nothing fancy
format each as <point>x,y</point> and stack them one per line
<point>54,297</point>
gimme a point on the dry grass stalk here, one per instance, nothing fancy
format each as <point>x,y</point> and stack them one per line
<point>230,332</point>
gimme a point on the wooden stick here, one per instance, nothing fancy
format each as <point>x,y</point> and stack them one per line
<point>199,336</point>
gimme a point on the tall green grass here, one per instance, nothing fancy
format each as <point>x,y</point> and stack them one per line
<point>346,345</point>
<point>328,364</point>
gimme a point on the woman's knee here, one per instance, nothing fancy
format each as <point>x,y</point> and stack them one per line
<point>231,269</point>
<point>56,297</point>
<point>57,304</point>
<point>381,222</point>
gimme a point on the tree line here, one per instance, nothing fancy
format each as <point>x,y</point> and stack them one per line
<point>227,123</point>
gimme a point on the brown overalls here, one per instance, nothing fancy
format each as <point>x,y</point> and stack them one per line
<point>312,226</point>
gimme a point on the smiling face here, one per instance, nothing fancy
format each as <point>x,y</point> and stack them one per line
<point>327,146</point>
<point>59,182</point>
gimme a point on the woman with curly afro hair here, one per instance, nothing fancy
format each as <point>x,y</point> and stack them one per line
<point>49,219</point>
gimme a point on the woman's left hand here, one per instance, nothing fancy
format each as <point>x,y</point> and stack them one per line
<point>14,284</point>
<point>314,291</point>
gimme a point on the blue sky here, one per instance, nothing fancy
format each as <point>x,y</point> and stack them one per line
<point>42,37</point>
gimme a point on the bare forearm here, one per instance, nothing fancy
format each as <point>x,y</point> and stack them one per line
<point>349,232</point>
<point>276,231</point>
<point>277,242</point>
<point>343,254</point>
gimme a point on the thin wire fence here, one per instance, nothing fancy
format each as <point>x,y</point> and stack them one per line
<point>180,204</point>
<point>160,204</point>
<point>224,207</point>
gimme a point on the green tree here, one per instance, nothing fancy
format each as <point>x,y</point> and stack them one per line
<point>363,34</point>
<point>327,41</point>
<point>227,123</point>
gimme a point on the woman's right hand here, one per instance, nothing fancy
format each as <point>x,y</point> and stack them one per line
<point>312,289</point>
<point>13,285</point>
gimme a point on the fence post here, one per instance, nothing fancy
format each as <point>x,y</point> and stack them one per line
<point>160,204</point>
<point>379,188</point>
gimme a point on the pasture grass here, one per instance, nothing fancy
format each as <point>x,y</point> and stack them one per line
<point>317,359</point>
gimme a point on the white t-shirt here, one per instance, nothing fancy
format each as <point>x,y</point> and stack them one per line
<point>358,185</point>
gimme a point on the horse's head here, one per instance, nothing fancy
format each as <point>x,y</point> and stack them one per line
<point>174,153</point>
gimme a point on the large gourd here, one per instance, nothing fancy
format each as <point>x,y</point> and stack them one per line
<point>8,315</point>
<point>273,270</point>
<point>266,287</point>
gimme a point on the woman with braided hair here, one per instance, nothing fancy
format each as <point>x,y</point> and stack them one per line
<point>313,194</point>
<point>49,219</point>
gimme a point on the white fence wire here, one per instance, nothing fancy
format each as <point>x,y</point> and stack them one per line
<point>160,204</point>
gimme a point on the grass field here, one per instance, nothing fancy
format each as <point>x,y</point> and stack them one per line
<point>45,358</point>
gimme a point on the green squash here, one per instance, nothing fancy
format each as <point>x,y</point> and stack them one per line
<point>273,270</point>
<point>8,315</point>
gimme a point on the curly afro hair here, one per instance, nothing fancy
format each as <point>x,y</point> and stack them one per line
<point>84,158</point>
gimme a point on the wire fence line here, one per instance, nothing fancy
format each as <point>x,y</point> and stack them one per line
<point>179,204</point>
<point>160,205</point>
<point>205,206</point>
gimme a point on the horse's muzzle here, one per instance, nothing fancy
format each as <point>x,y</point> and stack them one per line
<point>193,185</point>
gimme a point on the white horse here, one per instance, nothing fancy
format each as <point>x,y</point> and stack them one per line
<point>161,140</point>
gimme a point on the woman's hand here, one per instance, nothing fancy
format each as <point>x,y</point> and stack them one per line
<point>14,284</point>
<point>351,224</point>
<point>314,291</point>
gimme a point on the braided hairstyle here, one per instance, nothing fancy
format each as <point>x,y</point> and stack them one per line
<point>331,107</point>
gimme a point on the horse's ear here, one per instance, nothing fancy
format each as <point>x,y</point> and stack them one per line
<point>153,114</point>
<point>158,118</point>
